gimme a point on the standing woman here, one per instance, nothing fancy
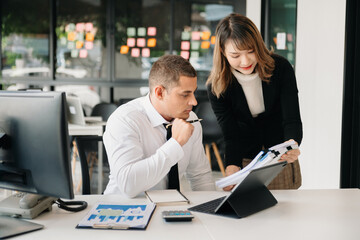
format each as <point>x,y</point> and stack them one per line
<point>254,96</point>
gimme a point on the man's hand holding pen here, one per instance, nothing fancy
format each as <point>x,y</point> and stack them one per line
<point>182,130</point>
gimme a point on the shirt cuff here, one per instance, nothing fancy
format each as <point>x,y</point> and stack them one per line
<point>173,150</point>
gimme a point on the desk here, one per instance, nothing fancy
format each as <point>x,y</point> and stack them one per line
<point>88,130</point>
<point>300,214</point>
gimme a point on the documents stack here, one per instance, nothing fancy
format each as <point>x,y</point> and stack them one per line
<point>264,158</point>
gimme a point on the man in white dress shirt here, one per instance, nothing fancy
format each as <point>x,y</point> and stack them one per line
<point>139,155</point>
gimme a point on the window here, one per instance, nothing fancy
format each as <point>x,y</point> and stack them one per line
<point>282,28</point>
<point>111,44</point>
<point>25,38</point>
<point>141,36</point>
<point>81,39</point>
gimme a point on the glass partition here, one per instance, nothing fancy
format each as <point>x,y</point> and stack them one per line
<point>25,38</point>
<point>141,36</point>
<point>81,39</point>
<point>194,36</point>
<point>282,28</point>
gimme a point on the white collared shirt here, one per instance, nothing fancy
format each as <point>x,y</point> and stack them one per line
<point>140,157</point>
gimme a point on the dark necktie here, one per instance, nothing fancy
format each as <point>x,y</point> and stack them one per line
<point>173,174</point>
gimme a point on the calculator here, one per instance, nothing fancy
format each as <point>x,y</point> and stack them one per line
<point>177,216</point>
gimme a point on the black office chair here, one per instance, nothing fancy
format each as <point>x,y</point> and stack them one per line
<point>212,134</point>
<point>104,110</point>
<point>124,100</point>
<point>88,156</point>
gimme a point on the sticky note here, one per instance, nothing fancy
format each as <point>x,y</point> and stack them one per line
<point>130,42</point>
<point>195,45</point>
<point>151,42</point>
<point>80,27</point>
<point>80,36</point>
<point>124,49</point>
<point>141,32</point>
<point>89,45</point>
<point>70,27</point>
<point>83,53</point>
<point>205,44</point>
<point>185,36</point>
<point>151,31</point>
<point>205,35</point>
<point>71,45</point>
<point>195,35</point>
<point>71,36</point>
<point>289,37</point>
<point>212,40</point>
<point>131,31</point>
<point>185,45</point>
<point>74,53</point>
<point>194,54</point>
<point>185,54</point>
<point>135,52</point>
<point>89,27</point>
<point>145,52</point>
<point>141,42</point>
<point>89,37</point>
<point>79,44</point>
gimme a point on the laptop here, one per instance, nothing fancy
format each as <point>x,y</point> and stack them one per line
<point>248,197</point>
<point>76,113</point>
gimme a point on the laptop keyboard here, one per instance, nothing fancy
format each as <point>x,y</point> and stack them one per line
<point>208,207</point>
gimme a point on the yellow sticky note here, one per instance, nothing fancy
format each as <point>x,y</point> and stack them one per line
<point>151,42</point>
<point>89,37</point>
<point>124,49</point>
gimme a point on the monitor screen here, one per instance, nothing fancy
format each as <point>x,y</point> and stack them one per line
<point>34,146</point>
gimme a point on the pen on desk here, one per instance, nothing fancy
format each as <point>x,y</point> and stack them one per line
<point>191,121</point>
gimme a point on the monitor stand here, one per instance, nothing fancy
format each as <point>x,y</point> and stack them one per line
<point>26,205</point>
<point>10,226</point>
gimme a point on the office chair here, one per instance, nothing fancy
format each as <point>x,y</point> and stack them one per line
<point>124,100</point>
<point>88,159</point>
<point>104,110</point>
<point>211,132</point>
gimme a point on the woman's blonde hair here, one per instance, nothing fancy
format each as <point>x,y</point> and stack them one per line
<point>245,35</point>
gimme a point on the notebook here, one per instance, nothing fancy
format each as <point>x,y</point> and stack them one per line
<point>248,197</point>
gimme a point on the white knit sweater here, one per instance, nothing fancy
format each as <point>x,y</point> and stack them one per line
<point>251,84</point>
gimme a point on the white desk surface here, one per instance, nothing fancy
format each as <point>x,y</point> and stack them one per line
<point>88,129</point>
<point>299,214</point>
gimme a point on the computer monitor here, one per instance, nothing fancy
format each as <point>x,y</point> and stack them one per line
<point>34,157</point>
<point>34,153</point>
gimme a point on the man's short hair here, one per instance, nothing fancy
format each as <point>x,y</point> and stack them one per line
<point>166,71</point>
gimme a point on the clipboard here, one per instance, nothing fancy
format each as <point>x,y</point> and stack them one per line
<point>116,216</point>
<point>248,197</point>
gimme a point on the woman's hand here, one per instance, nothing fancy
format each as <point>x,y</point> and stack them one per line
<point>231,169</point>
<point>291,155</point>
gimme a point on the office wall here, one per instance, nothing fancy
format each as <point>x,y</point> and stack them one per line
<point>319,71</point>
<point>253,11</point>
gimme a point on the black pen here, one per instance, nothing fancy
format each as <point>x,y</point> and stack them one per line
<point>191,121</point>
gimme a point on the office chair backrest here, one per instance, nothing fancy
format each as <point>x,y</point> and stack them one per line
<point>211,129</point>
<point>104,110</point>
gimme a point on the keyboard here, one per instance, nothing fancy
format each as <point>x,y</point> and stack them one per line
<point>208,207</point>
